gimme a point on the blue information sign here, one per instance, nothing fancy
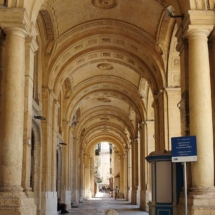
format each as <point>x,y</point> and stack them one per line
<point>184,149</point>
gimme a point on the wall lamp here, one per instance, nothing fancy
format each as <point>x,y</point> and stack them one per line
<point>63,144</point>
<point>40,117</point>
<point>170,13</point>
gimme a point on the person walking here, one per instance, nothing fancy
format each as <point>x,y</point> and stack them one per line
<point>116,192</point>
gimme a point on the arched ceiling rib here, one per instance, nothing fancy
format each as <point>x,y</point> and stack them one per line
<point>103,114</point>
<point>76,54</point>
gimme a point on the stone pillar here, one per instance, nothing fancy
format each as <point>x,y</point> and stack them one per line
<point>173,114</point>
<point>49,196</point>
<point>81,176</point>
<point>129,174</point>
<point>13,120</point>
<point>200,107</point>
<point>30,48</point>
<point>2,48</point>
<point>66,162</point>
<point>13,109</point>
<point>54,149</point>
<point>122,176</point>
<point>212,67</point>
<point>126,175</point>
<point>116,165</point>
<point>201,196</point>
<point>92,173</point>
<point>159,121</point>
<point>87,177</point>
<point>134,151</point>
<point>143,146</point>
<point>75,178</point>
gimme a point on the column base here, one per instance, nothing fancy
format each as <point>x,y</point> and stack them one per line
<point>49,203</point>
<point>199,202</point>
<point>129,194</point>
<point>144,200</point>
<point>68,198</point>
<point>138,197</point>
<point>16,204</point>
<point>134,197</point>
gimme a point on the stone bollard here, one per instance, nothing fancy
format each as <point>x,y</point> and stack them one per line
<point>111,212</point>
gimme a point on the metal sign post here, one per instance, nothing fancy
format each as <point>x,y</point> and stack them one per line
<point>185,188</point>
<point>184,150</point>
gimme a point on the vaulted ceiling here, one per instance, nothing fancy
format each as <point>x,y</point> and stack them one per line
<point>106,58</point>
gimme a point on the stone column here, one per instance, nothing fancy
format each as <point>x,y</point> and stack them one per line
<point>75,178</point>
<point>54,149</point>
<point>81,176</point>
<point>92,173</point>
<point>212,67</point>
<point>134,148</point>
<point>2,50</point>
<point>200,107</point>
<point>126,174</point>
<point>66,162</point>
<point>13,120</point>
<point>143,146</point>
<point>160,122</point>
<point>129,174</point>
<point>87,177</point>
<point>173,114</point>
<point>13,109</point>
<point>116,165</point>
<point>49,196</point>
<point>30,48</point>
<point>122,176</point>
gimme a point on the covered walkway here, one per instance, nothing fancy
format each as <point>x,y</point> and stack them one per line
<point>100,204</point>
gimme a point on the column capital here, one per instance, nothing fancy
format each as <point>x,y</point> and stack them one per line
<point>196,19</point>
<point>198,31</point>
<point>15,31</point>
<point>16,18</point>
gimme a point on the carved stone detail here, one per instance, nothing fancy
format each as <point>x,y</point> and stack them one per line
<point>48,23</point>
<point>105,4</point>
<point>105,66</point>
<point>104,100</point>
<point>164,27</point>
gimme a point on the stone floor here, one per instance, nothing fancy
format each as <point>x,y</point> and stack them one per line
<point>100,204</point>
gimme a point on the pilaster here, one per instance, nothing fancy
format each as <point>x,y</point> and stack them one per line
<point>122,175</point>
<point>173,114</point>
<point>134,148</point>
<point>160,123</point>
<point>81,176</point>
<point>92,174</point>
<point>30,48</point>
<point>87,176</point>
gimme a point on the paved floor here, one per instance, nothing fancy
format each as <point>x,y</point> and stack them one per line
<point>100,204</point>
